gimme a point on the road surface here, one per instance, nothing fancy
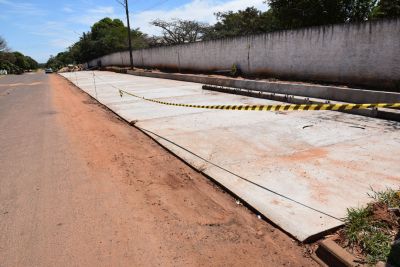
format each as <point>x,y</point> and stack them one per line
<point>80,187</point>
<point>291,166</point>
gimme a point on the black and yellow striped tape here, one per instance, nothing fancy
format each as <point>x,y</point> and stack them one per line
<point>284,107</point>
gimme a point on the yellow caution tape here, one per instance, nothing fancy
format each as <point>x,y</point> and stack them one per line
<point>284,107</point>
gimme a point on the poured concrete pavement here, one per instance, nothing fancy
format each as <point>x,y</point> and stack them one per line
<point>301,170</point>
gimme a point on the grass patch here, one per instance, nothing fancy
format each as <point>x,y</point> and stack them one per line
<point>372,232</point>
<point>389,197</point>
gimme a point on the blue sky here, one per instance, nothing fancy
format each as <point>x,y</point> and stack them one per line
<point>42,28</point>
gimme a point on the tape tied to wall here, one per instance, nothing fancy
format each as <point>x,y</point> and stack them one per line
<point>283,107</point>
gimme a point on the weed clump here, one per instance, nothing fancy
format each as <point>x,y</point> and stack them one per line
<point>372,232</point>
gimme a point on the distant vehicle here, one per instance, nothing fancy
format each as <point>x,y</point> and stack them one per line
<point>49,70</point>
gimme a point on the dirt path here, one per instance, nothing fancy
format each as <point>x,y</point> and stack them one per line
<point>122,200</point>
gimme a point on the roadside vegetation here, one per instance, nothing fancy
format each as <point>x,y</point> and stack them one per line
<point>372,233</point>
<point>110,35</point>
<point>14,62</point>
<point>105,37</point>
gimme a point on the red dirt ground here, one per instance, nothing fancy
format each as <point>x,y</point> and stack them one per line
<point>144,207</point>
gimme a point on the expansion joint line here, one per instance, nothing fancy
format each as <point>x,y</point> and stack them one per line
<point>241,177</point>
<point>220,167</point>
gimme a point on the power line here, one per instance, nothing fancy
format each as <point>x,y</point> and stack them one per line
<point>147,8</point>
<point>121,3</point>
<point>154,6</point>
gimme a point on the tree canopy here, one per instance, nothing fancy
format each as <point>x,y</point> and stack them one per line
<point>179,31</point>
<point>303,13</point>
<point>110,35</point>
<point>105,37</point>
<point>387,9</point>
<point>282,15</point>
<point>14,62</point>
<point>243,22</point>
<point>3,44</point>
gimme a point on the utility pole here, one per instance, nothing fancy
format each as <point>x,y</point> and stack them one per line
<point>129,33</point>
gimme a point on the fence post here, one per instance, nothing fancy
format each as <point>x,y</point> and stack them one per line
<point>76,78</point>
<point>95,87</point>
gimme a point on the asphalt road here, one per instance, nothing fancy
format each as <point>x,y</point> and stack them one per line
<point>80,187</point>
<point>35,167</point>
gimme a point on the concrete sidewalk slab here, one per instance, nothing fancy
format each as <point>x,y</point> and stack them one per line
<point>299,169</point>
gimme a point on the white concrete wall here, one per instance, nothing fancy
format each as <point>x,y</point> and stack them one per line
<point>360,54</point>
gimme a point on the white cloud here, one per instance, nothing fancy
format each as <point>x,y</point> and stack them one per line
<point>62,42</point>
<point>58,35</point>
<point>55,34</point>
<point>200,10</point>
<point>102,10</point>
<point>68,9</point>
<point>93,15</point>
<point>22,8</point>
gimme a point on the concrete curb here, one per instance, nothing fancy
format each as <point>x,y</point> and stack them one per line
<point>329,253</point>
<point>351,95</point>
<point>381,113</point>
<point>332,254</point>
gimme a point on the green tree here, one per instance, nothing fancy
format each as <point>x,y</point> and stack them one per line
<point>105,37</point>
<point>109,36</point>
<point>10,68</point>
<point>304,13</point>
<point>387,9</point>
<point>3,45</point>
<point>7,56</point>
<point>83,50</point>
<point>21,61</point>
<point>16,62</point>
<point>62,59</point>
<point>243,22</point>
<point>32,64</point>
<point>359,10</point>
<point>179,31</point>
<point>65,57</point>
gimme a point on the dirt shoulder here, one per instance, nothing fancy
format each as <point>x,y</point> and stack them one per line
<point>145,207</point>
